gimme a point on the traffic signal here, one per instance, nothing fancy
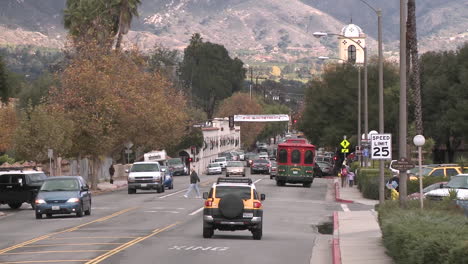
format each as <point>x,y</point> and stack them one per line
<point>295,121</point>
<point>335,158</point>
<point>190,159</point>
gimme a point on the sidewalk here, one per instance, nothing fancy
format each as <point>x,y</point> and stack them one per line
<point>107,187</point>
<point>358,233</point>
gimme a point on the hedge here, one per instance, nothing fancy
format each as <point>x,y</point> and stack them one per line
<point>437,234</point>
<point>368,182</point>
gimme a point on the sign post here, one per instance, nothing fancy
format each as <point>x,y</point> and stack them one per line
<point>50,154</point>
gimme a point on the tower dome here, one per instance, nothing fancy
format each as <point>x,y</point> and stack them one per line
<point>351,31</point>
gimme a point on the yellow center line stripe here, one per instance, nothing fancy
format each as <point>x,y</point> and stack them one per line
<point>46,261</point>
<point>3,251</point>
<point>54,251</point>
<point>128,244</point>
<point>73,244</point>
<point>104,237</point>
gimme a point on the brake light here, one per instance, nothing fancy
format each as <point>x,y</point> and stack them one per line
<point>281,170</point>
<point>209,202</point>
<point>257,204</point>
<point>268,165</point>
<point>309,171</point>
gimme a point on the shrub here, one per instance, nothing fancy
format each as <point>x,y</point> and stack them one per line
<point>435,235</point>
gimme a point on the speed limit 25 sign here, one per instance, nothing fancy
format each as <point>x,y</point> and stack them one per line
<point>381,146</point>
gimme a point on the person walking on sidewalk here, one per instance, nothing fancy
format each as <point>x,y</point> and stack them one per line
<point>344,175</point>
<point>111,173</point>
<point>351,178</point>
<point>194,180</point>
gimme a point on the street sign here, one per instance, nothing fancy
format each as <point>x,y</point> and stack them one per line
<point>381,146</point>
<point>403,164</point>
<point>50,153</point>
<point>365,142</point>
<point>345,150</point>
<point>345,143</point>
<point>128,151</point>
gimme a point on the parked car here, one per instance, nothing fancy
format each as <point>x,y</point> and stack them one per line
<point>18,186</point>
<point>235,168</point>
<point>459,183</point>
<point>227,155</point>
<point>214,168</point>
<point>445,170</point>
<point>63,195</point>
<point>273,169</point>
<point>145,176</point>
<point>260,166</point>
<point>222,161</point>
<point>434,186</point>
<point>325,167</point>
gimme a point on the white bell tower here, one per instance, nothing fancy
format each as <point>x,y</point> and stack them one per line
<point>351,44</point>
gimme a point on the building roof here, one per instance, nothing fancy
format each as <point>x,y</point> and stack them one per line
<point>352,31</point>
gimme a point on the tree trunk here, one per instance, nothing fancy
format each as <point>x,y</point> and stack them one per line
<point>414,77</point>
<point>118,41</point>
<point>94,172</point>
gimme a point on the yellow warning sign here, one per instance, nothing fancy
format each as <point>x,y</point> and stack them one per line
<point>345,150</point>
<point>345,144</point>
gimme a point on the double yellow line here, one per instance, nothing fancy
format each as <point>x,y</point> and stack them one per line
<point>127,245</point>
<point>2,251</point>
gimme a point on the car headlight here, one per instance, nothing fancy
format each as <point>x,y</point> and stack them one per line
<point>73,200</point>
<point>40,201</point>
<point>131,179</point>
<point>157,178</point>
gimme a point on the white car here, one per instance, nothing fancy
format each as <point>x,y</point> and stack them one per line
<point>263,155</point>
<point>222,161</point>
<point>214,168</point>
<point>145,176</point>
<point>459,183</point>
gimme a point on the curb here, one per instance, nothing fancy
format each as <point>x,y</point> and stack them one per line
<point>336,252</point>
<point>337,195</point>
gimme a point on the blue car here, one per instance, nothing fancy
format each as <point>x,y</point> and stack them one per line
<point>63,195</point>
<point>168,180</point>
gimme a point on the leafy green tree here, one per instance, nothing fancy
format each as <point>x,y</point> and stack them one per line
<point>444,78</point>
<point>210,73</point>
<point>331,103</point>
<point>42,128</point>
<point>35,92</point>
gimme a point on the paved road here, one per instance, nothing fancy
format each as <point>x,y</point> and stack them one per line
<point>167,228</point>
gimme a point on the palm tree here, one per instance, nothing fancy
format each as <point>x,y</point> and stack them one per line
<point>126,9</point>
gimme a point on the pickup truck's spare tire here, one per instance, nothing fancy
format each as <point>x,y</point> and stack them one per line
<point>231,206</point>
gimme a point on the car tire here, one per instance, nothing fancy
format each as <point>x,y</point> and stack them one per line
<point>48,215</point>
<point>208,232</point>
<point>271,177</point>
<point>131,191</point>
<point>257,233</point>
<point>231,206</point>
<point>79,213</point>
<point>163,189</point>
<point>307,184</point>
<point>172,186</point>
<point>38,216</point>
<point>15,205</point>
<point>251,172</point>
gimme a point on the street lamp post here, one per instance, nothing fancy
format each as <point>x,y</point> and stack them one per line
<point>419,141</point>
<point>403,118</point>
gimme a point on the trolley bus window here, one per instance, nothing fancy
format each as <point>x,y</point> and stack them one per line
<point>309,157</point>
<point>296,156</point>
<point>283,156</point>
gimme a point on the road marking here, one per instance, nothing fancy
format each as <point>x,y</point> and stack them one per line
<point>128,244</point>
<point>345,207</point>
<point>172,212</point>
<point>72,244</point>
<point>198,248</point>
<point>3,251</point>
<point>196,211</point>
<point>55,251</point>
<point>46,261</point>
<point>257,180</point>
<point>104,237</point>
<point>167,195</point>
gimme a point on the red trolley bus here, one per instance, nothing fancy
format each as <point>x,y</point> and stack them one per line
<point>295,163</point>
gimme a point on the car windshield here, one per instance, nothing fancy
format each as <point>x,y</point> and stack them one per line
<point>145,167</point>
<point>213,165</point>
<point>174,161</point>
<point>56,185</point>
<point>261,161</point>
<point>235,164</point>
<point>425,171</point>
<point>273,163</point>
<point>37,177</point>
<point>458,182</point>
<point>242,191</point>
<point>220,160</point>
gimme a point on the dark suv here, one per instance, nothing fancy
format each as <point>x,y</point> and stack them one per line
<point>18,186</point>
<point>233,204</point>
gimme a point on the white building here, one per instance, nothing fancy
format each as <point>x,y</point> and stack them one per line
<point>217,137</point>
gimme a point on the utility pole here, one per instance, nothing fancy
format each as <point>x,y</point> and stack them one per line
<point>251,82</point>
<point>403,118</point>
